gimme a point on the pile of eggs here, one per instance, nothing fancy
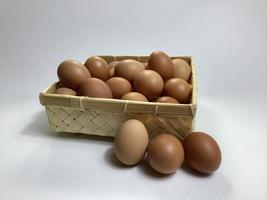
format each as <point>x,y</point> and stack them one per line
<point>161,79</point>
<point>165,153</point>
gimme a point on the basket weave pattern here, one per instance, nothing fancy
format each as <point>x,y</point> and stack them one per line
<point>103,117</point>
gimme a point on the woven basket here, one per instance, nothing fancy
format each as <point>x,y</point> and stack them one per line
<point>99,116</point>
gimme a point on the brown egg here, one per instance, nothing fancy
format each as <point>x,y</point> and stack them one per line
<point>165,153</point>
<point>119,86</point>
<point>66,91</point>
<point>72,74</point>
<point>95,87</point>
<point>128,69</point>
<point>161,63</point>
<point>113,64</point>
<point>166,99</point>
<point>178,89</point>
<point>131,142</point>
<point>134,96</point>
<point>202,152</point>
<point>149,83</point>
<point>181,69</point>
<point>98,67</point>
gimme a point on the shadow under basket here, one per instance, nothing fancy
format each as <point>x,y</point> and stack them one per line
<point>103,117</point>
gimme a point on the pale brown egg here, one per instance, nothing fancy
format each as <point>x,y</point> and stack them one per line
<point>95,87</point>
<point>134,96</point>
<point>161,63</point>
<point>119,86</point>
<point>98,67</point>
<point>128,69</point>
<point>178,89</point>
<point>148,83</point>
<point>165,153</point>
<point>202,152</point>
<point>72,74</point>
<point>181,69</point>
<point>166,99</point>
<point>131,142</point>
<point>65,91</point>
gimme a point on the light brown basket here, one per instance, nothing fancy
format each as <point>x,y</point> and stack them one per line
<point>99,116</point>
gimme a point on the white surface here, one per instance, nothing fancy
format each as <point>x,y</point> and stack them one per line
<point>229,42</point>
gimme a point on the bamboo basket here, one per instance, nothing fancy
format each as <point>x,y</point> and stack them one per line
<point>103,117</point>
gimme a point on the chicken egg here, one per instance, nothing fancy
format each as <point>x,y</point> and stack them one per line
<point>181,69</point>
<point>131,142</point>
<point>161,63</point>
<point>202,152</point>
<point>165,153</point>
<point>148,83</point>
<point>98,67</point>
<point>119,86</point>
<point>72,74</point>
<point>95,87</point>
<point>128,69</point>
<point>134,96</point>
<point>178,89</point>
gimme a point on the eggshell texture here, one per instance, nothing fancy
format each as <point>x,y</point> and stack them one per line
<point>181,69</point>
<point>131,142</point>
<point>128,69</point>
<point>95,87</point>
<point>72,74</point>
<point>165,153</point>
<point>66,91</point>
<point>202,152</point>
<point>119,86</point>
<point>98,67</point>
<point>166,99</point>
<point>178,89</point>
<point>134,96</point>
<point>149,83</point>
<point>161,63</point>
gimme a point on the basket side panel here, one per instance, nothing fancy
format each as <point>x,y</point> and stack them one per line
<point>65,119</point>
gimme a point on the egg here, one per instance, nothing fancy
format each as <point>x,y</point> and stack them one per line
<point>128,69</point>
<point>95,87</point>
<point>134,96</point>
<point>148,83</point>
<point>72,74</point>
<point>161,63</point>
<point>98,67</point>
<point>178,89</point>
<point>166,99</point>
<point>119,86</point>
<point>165,153</point>
<point>66,91</point>
<point>131,142</point>
<point>202,152</point>
<point>181,69</point>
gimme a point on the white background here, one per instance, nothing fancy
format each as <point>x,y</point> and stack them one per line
<point>229,42</point>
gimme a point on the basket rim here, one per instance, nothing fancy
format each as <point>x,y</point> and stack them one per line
<point>117,105</point>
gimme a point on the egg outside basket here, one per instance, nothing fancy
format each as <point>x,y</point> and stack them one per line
<point>99,116</point>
